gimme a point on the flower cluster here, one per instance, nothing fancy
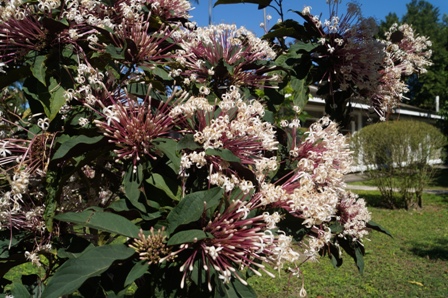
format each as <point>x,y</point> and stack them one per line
<point>222,56</point>
<point>405,54</point>
<point>153,247</point>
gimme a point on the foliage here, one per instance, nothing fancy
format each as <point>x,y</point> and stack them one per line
<point>397,156</point>
<point>141,152</point>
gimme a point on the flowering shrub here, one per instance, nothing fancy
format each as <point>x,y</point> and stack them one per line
<point>399,156</point>
<point>140,153</point>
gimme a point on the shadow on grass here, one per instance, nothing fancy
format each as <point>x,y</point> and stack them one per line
<point>438,250</point>
<point>441,177</point>
<point>375,199</point>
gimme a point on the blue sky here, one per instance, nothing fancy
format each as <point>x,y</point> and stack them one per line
<point>249,16</point>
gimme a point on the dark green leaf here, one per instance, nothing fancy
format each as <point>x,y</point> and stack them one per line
<point>243,291</point>
<point>19,290</point>
<point>137,271</point>
<point>57,99</point>
<point>158,71</point>
<point>225,154</point>
<point>336,228</point>
<point>169,147</point>
<point>39,69</point>
<point>300,93</point>
<point>103,221</point>
<point>74,272</point>
<point>69,142</point>
<point>336,260</point>
<point>287,28</point>
<point>359,258</point>
<point>374,226</point>
<point>188,236</point>
<point>132,181</point>
<point>138,89</point>
<point>115,52</point>
<point>191,207</point>
<point>169,186</point>
<point>188,142</point>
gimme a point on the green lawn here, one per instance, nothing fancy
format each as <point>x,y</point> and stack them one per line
<point>412,264</point>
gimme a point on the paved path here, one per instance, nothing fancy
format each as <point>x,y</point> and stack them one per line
<point>354,177</point>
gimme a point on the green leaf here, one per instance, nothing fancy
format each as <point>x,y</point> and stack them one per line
<point>132,181</point>
<point>188,142</point>
<point>19,290</point>
<point>234,289</point>
<point>39,69</point>
<point>300,94</point>
<point>104,221</point>
<point>138,89</point>
<point>359,259</point>
<point>74,272</point>
<point>115,52</point>
<point>336,228</point>
<point>137,271</point>
<point>225,154</point>
<point>168,147</point>
<point>374,226</point>
<point>169,186</point>
<point>243,291</point>
<point>57,99</point>
<point>287,28</point>
<point>191,207</point>
<point>69,142</point>
<point>188,236</point>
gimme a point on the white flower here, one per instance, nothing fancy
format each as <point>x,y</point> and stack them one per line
<point>83,121</point>
<point>3,150</point>
<point>33,257</point>
<point>306,10</point>
<point>43,123</point>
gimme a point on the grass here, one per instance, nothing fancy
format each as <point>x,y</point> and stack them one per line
<point>414,263</point>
